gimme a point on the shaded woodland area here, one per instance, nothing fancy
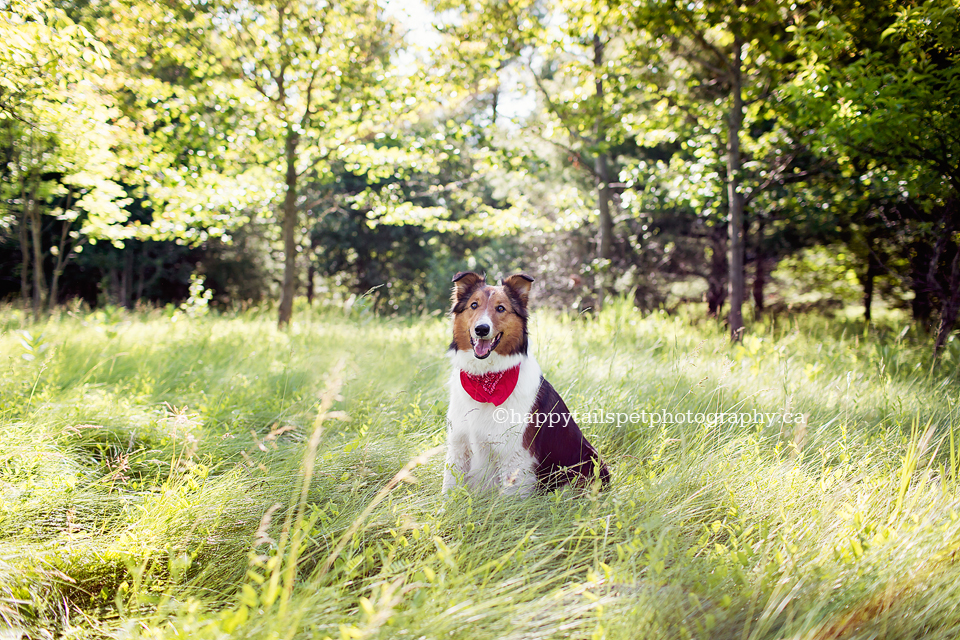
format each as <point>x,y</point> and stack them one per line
<point>735,153</point>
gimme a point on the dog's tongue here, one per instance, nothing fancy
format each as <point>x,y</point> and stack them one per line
<point>482,347</point>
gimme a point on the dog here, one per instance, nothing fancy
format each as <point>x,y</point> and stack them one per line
<point>507,427</point>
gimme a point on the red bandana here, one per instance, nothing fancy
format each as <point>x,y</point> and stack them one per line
<point>493,387</point>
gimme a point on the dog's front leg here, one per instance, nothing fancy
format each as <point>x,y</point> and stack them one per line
<point>518,476</point>
<point>458,460</point>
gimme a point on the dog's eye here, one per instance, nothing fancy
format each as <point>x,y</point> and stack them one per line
<point>473,306</point>
<point>501,308</point>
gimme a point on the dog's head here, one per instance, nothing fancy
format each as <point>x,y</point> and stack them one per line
<point>490,318</point>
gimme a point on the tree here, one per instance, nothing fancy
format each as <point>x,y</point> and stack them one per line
<point>245,101</point>
<point>571,55</point>
<point>711,60</point>
<point>888,110</point>
<point>321,68</point>
<point>65,139</point>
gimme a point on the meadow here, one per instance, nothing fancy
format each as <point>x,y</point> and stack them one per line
<point>178,475</point>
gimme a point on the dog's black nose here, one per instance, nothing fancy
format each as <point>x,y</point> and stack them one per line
<point>482,330</point>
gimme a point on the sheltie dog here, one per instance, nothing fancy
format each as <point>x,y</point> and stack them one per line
<point>507,427</point>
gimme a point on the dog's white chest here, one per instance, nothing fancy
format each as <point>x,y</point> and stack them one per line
<point>485,442</point>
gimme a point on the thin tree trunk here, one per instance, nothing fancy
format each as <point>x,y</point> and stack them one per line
<point>290,224</point>
<point>920,307</point>
<point>24,259</point>
<point>37,246</point>
<point>126,280</point>
<point>54,293</point>
<point>868,284</point>
<point>759,272</point>
<point>759,283</point>
<point>950,294</point>
<point>141,278</point>
<point>25,199</point>
<point>606,220</point>
<point>717,281</point>
<point>63,256</point>
<point>950,306</point>
<point>114,297</point>
<point>603,174</point>
<point>311,271</point>
<point>734,194</point>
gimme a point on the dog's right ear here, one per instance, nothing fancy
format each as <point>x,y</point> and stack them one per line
<point>463,284</point>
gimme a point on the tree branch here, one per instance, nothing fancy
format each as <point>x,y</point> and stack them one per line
<point>687,54</point>
<point>700,37</point>
<point>552,106</point>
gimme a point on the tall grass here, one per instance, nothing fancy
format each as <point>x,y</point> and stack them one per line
<point>214,476</point>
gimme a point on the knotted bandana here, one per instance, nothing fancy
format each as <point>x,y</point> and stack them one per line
<point>494,387</point>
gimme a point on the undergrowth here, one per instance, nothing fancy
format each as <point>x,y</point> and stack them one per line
<point>213,476</point>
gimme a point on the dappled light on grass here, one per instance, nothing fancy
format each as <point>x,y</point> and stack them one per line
<point>215,476</point>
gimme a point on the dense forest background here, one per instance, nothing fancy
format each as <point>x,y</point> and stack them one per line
<point>753,155</point>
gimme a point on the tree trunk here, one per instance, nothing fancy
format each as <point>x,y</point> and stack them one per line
<point>24,260</point>
<point>37,246</point>
<point>734,194</point>
<point>290,223</point>
<point>141,277</point>
<point>311,272</point>
<point>873,269</point>
<point>921,307</point>
<point>868,294</point>
<point>63,257</point>
<point>55,285</point>
<point>950,305</point>
<point>759,282</point>
<point>114,297</point>
<point>949,295</point>
<point>606,226</point>
<point>759,272</point>
<point>126,280</point>
<point>602,167</point>
<point>717,281</point>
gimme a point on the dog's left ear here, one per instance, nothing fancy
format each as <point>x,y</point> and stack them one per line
<point>519,283</point>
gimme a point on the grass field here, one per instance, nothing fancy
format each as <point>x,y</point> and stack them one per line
<point>212,477</point>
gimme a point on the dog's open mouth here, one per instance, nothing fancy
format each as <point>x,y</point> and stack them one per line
<point>483,348</point>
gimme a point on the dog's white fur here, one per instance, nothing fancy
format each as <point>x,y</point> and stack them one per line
<point>482,451</point>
